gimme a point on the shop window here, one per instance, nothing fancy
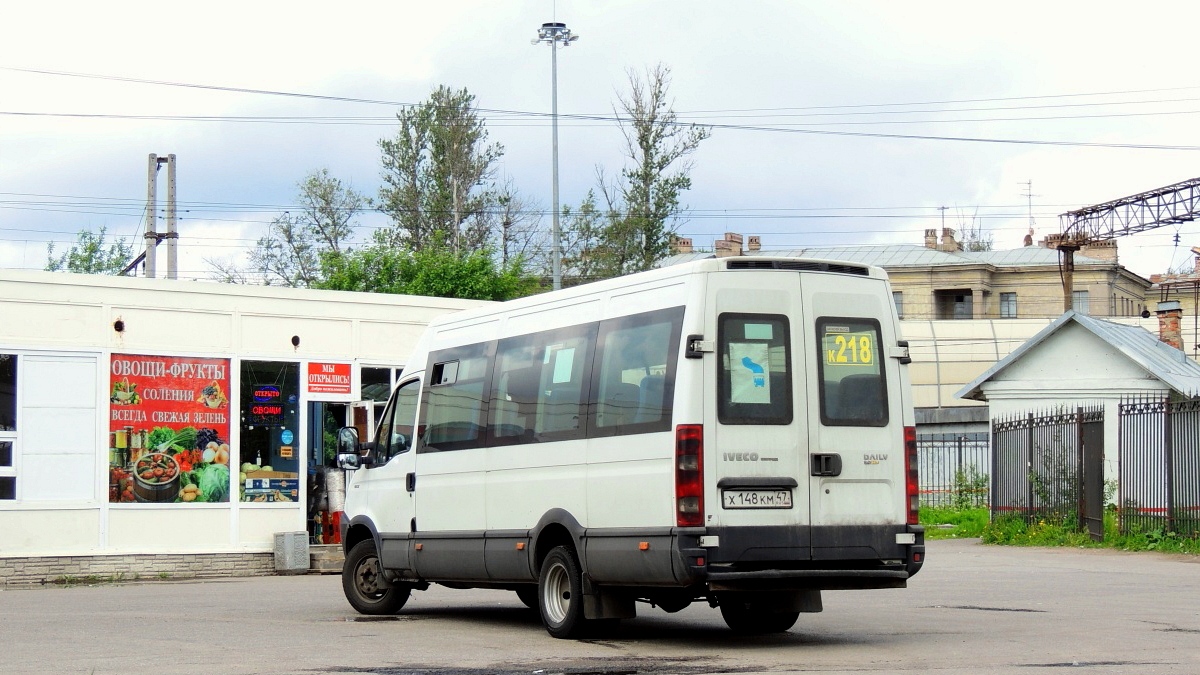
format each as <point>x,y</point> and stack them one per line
<point>8,481</point>
<point>8,426</point>
<point>270,410</point>
<point>376,384</point>
<point>8,392</point>
<point>169,429</point>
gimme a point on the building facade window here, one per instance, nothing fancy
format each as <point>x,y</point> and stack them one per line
<point>898,298</point>
<point>954,304</point>
<point>1079,301</point>
<point>1008,305</point>
<point>8,426</point>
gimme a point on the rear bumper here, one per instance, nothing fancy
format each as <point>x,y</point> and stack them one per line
<point>829,558</point>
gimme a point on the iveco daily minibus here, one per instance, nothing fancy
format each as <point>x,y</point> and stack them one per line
<point>737,431</point>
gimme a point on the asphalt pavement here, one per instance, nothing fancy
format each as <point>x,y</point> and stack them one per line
<point>972,609</point>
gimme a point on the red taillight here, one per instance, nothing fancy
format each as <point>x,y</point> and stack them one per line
<point>912,497</point>
<point>689,475</point>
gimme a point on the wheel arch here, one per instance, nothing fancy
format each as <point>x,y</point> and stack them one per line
<point>360,529</point>
<point>556,528</point>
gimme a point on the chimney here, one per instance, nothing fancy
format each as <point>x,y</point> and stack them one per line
<point>1029,238</point>
<point>1169,313</point>
<point>731,245</point>
<point>1196,250</point>
<point>755,243</point>
<point>948,243</point>
<point>1101,250</point>
<point>681,245</point>
<point>931,239</point>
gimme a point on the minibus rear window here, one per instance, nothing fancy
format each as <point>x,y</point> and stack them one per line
<point>853,388</point>
<point>755,383</point>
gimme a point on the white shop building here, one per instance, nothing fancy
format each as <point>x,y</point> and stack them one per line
<point>129,408</point>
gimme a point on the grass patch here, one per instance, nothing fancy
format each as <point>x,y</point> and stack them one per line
<point>1014,531</point>
<point>92,579</point>
<point>946,522</point>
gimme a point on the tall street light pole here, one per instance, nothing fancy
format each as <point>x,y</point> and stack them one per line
<point>555,34</point>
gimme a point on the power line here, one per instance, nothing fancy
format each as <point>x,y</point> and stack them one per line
<point>756,128</point>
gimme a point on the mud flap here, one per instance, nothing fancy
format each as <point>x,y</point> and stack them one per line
<point>599,603</point>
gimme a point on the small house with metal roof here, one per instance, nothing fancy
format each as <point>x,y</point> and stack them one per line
<point>1079,359</point>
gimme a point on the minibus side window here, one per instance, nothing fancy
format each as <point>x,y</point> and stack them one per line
<point>633,381</point>
<point>539,386</point>
<point>853,389</point>
<point>454,404</point>
<point>755,383</point>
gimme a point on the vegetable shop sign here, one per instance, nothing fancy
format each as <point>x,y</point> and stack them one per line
<point>328,378</point>
<point>169,424</point>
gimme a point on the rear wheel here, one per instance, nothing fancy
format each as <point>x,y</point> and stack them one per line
<point>364,585</point>
<point>746,618</point>
<point>560,594</point>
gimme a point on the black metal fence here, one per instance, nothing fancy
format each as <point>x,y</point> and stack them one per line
<point>954,469</point>
<point>1038,465</point>
<point>1160,466</point>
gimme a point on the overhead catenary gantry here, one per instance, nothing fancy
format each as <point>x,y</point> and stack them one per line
<point>1173,204</point>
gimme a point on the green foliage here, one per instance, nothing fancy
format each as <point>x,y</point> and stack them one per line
<point>383,269</point>
<point>962,522</point>
<point>1014,531</point>
<point>582,236</point>
<point>437,174</point>
<point>970,488</point>
<point>91,254</point>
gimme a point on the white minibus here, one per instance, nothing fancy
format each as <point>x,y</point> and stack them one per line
<point>736,430</point>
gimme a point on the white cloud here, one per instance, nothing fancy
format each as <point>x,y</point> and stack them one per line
<point>725,57</point>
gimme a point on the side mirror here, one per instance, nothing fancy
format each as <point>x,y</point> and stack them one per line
<point>348,450</point>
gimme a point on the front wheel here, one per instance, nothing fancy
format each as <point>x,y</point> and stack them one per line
<point>364,585</point>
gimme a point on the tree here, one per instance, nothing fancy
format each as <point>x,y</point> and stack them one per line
<point>582,242</point>
<point>91,254</point>
<point>974,238</point>
<point>437,175</point>
<point>643,202</point>
<point>383,268</point>
<point>290,253</point>
<point>520,229</point>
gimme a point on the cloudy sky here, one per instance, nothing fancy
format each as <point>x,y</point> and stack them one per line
<point>834,123</point>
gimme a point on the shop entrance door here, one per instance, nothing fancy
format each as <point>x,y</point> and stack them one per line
<point>326,483</point>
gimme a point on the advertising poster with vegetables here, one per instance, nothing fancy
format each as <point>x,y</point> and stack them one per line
<point>168,429</point>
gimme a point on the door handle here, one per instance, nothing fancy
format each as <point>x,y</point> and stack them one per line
<point>827,465</point>
<point>410,481</point>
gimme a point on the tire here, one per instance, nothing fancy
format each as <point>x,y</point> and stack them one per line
<point>364,586</point>
<point>529,596</point>
<point>560,594</point>
<point>744,618</point>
